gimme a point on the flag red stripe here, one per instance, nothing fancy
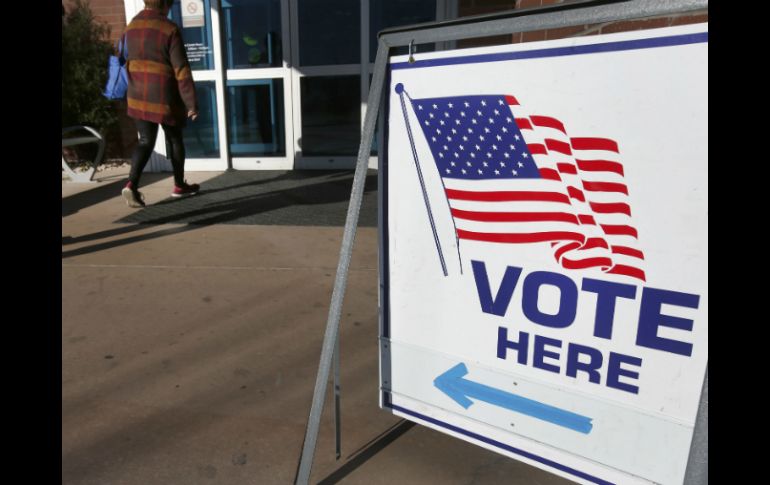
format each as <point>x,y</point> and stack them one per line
<point>537,149</point>
<point>589,244</point>
<point>610,208</point>
<point>519,238</point>
<point>511,100</point>
<point>567,168</point>
<point>548,122</point>
<point>558,146</point>
<point>605,187</point>
<point>595,242</point>
<point>576,193</point>
<point>523,123</point>
<point>549,174</point>
<point>628,251</point>
<point>586,263</point>
<point>507,196</point>
<point>586,219</point>
<point>628,271</point>
<point>515,216</point>
<point>600,166</point>
<point>567,247</point>
<point>619,230</point>
<point>594,144</point>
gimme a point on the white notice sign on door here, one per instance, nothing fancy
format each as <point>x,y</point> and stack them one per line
<point>193,13</point>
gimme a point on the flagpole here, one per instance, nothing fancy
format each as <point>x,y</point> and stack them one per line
<point>400,91</point>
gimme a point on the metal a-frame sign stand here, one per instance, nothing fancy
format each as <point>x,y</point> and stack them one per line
<point>510,22</point>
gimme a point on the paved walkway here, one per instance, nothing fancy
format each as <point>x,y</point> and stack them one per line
<point>191,334</point>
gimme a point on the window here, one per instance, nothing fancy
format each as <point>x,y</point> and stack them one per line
<point>329,32</point>
<point>395,13</point>
<point>256,117</point>
<point>252,31</point>
<point>331,115</point>
<point>201,137</point>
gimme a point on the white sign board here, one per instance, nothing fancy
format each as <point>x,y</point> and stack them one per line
<point>545,242</point>
<point>193,13</point>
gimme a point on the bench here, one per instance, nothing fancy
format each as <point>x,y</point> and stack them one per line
<point>88,175</point>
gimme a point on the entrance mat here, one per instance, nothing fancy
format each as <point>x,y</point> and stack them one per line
<point>267,197</point>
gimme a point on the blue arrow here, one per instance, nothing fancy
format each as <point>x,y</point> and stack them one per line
<point>453,385</point>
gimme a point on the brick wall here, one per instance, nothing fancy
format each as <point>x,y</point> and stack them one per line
<point>479,7</point>
<point>606,28</point>
<point>110,12</point>
<point>468,8</point>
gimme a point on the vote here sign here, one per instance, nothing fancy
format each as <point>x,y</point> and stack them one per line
<point>545,249</point>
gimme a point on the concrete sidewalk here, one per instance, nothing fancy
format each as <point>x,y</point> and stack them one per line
<point>191,341</point>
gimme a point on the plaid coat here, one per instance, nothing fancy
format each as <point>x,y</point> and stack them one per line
<point>160,84</point>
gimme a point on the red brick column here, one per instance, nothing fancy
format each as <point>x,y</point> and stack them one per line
<point>606,28</point>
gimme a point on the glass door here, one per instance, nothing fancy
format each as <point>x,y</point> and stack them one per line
<point>204,141</point>
<point>199,22</point>
<point>255,36</point>
<point>326,48</point>
<point>238,52</point>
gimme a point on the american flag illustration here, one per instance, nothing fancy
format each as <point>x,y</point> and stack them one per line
<point>512,177</point>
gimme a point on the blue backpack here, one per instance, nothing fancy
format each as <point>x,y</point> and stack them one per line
<point>117,78</point>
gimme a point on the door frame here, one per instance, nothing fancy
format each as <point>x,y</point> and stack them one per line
<point>283,73</point>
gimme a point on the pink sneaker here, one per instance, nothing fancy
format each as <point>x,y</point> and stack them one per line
<point>185,189</point>
<point>133,197</point>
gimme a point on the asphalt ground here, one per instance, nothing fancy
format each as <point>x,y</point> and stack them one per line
<point>191,336</point>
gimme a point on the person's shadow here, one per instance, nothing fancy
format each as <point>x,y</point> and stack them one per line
<point>303,198</point>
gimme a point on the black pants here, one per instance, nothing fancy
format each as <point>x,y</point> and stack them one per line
<point>148,133</point>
